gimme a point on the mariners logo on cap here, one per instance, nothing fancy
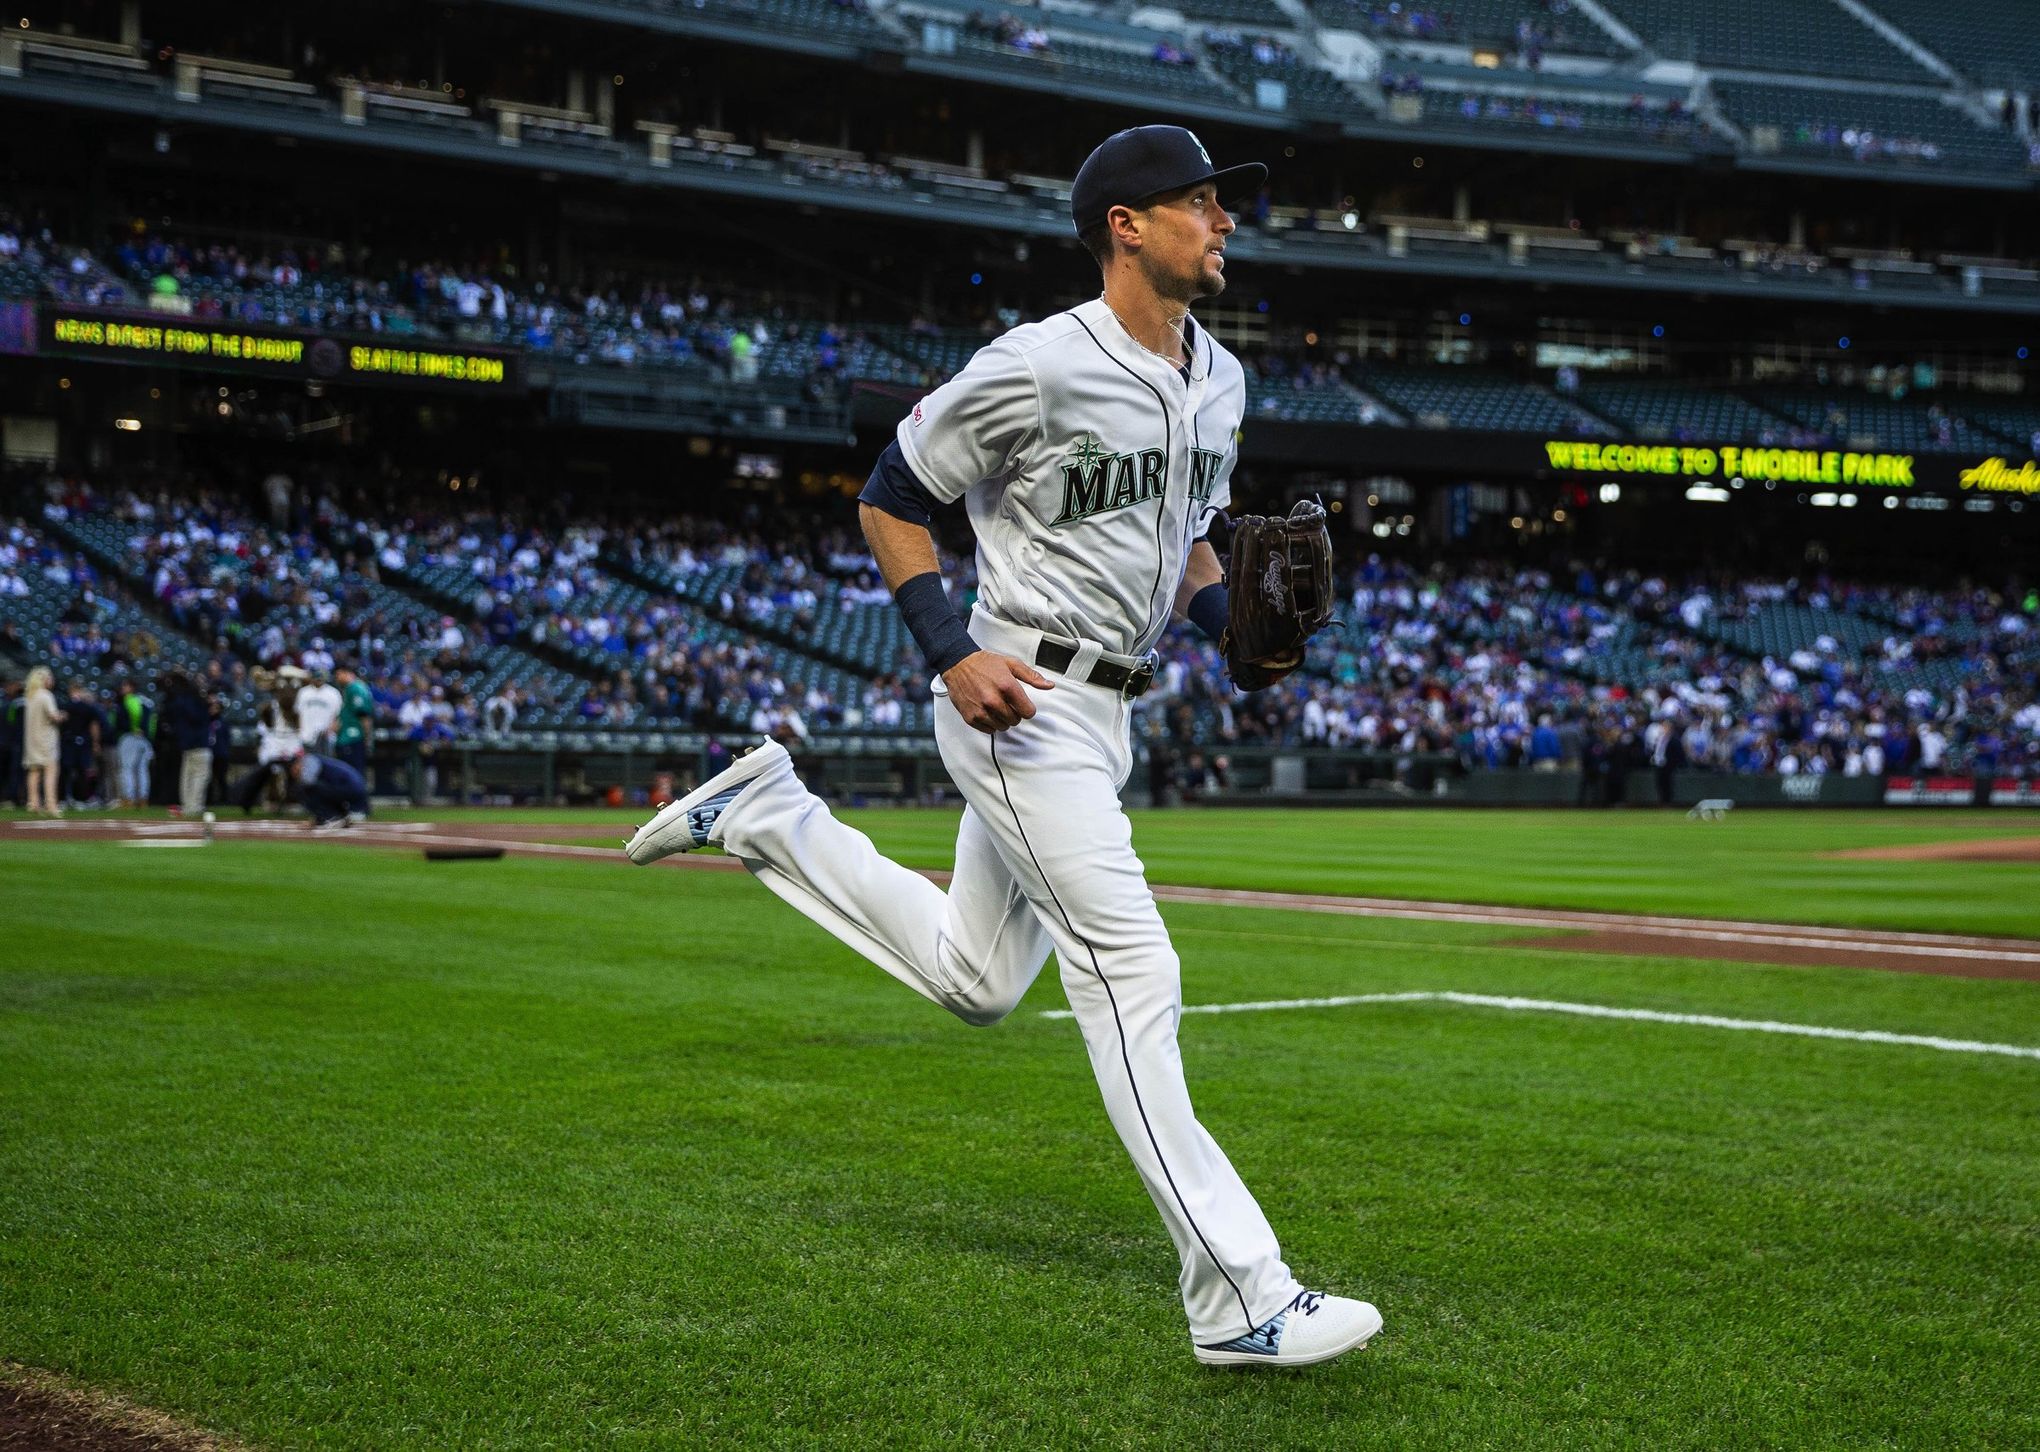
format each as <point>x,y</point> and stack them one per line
<point>1200,146</point>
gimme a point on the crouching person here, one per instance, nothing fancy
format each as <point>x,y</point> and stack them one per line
<point>332,791</point>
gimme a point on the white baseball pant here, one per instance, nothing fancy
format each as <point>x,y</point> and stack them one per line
<point>1044,858</point>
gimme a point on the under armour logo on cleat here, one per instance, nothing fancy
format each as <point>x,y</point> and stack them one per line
<point>1263,1340</point>
<point>701,819</point>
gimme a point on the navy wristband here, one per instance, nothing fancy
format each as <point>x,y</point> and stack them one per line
<point>932,622</point>
<point>1210,609</point>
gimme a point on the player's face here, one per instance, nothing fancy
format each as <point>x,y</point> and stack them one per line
<point>1185,235</point>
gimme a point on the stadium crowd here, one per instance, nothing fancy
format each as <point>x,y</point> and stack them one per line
<point>626,321</point>
<point>1508,669</point>
<point>797,349</point>
<point>1498,668</point>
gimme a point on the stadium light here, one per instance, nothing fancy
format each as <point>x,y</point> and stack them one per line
<point>128,425</point>
<point>1891,501</point>
<point>1707,494</point>
<point>1826,499</point>
<point>1610,493</point>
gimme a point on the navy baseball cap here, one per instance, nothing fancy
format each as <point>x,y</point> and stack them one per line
<point>1145,160</point>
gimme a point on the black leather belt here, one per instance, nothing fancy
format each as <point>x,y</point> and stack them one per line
<point>1129,681</point>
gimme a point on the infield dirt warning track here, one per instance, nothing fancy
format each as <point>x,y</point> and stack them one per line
<point>1549,929</point>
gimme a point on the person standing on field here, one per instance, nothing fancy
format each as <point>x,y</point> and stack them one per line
<point>134,730</point>
<point>190,735</point>
<point>219,742</point>
<point>83,722</point>
<point>40,747</point>
<point>355,735</point>
<point>13,711</point>
<point>317,709</point>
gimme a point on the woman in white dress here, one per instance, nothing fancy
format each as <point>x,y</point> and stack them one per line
<point>40,748</point>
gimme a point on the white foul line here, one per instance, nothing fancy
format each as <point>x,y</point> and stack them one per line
<point>1595,1010</point>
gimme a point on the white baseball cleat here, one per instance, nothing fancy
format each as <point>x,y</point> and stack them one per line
<point>684,825</point>
<point>1312,1328</point>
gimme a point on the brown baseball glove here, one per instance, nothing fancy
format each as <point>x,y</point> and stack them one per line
<point>1279,587</point>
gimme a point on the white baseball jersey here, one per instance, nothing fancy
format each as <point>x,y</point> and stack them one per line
<point>1088,465</point>
<point>317,707</point>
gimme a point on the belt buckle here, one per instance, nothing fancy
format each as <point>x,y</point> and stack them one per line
<point>1140,678</point>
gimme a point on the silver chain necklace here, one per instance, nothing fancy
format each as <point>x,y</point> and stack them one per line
<point>1175,327</point>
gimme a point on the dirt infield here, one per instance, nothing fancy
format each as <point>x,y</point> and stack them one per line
<point>1547,929</point>
<point>1980,849</point>
<point>42,1413</point>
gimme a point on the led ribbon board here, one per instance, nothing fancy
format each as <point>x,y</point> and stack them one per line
<point>216,345</point>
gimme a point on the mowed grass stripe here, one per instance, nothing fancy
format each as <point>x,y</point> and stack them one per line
<point>1770,866</point>
<point>314,1144</point>
<point>1774,866</point>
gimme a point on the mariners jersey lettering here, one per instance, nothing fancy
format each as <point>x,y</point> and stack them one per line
<point>1088,466</point>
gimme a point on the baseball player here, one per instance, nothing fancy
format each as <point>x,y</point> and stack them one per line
<point>1093,451</point>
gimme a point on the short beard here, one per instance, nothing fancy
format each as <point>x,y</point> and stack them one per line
<point>1184,291</point>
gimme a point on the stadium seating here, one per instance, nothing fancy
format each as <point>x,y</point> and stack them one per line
<point>1861,419</point>
<point>291,603</point>
<point>1254,14</point>
<point>1297,400</point>
<point>1559,114</point>
<point>850,22</point>
<point>1868,125</point>
<point>1681,411</point>
<point>1819,640</point>
<point>2018,426</point>
<point>859,642</point>
<point>1107,66</point>
<point>1793,37</point>
<point>67,596</point>
<point>1992,43</point>
<point>1310,91</point>
<point>612,630</point>
<point>739,637</point>
<point>1498,23</point>
<point>1469,399</point>
<point>941,353</point>
<point>797,350</point>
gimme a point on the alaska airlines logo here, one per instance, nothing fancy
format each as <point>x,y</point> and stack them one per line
<point>1097,481</point>
<point>1999,477</point>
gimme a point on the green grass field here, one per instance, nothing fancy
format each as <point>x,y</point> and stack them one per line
<point>1763,865</point>
<point>320,1146</point>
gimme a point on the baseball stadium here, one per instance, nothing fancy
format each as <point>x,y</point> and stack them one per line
<point>922,723</point>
